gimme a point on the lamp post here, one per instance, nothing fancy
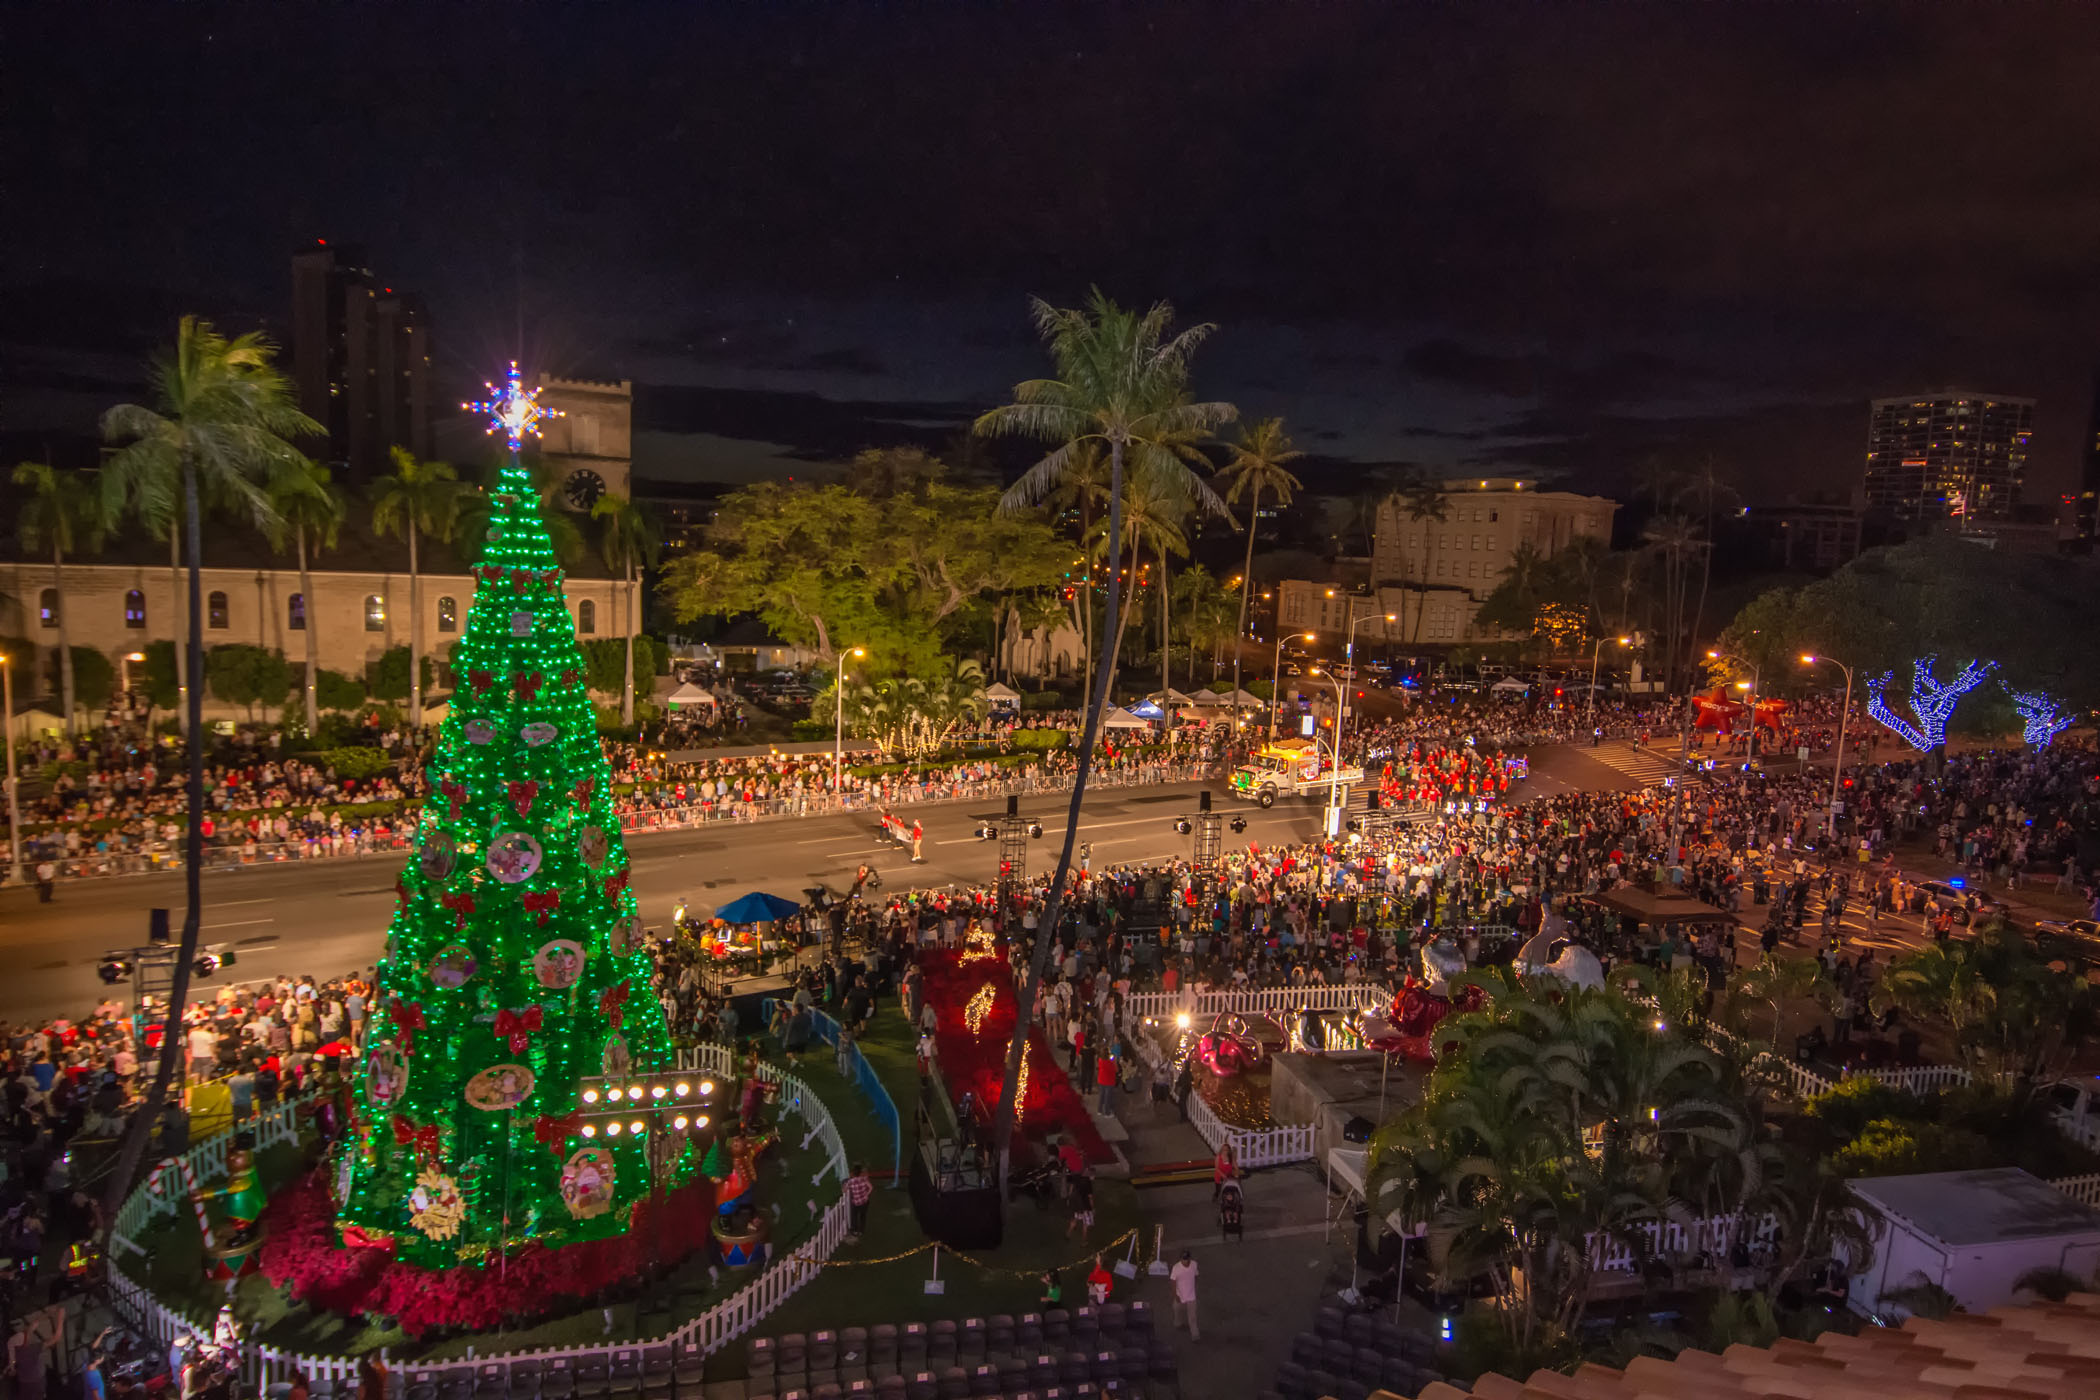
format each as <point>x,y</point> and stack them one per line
<point>7,730</point>
<point>1755,676</point>
<point>1334,774</point>
<point>838,733</point>
<point>1596,653</point>
<point>1837,764</point>
<point>1349,660</point>
<point>1276,679</point>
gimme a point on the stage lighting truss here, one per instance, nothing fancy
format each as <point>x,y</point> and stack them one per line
<point>615,1106</point>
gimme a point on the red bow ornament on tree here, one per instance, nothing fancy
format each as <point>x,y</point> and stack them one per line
<point>612,1001</point>
<point>571,676</point>
<point>461,906</point>
<point>408,1019</point>
<point>554,1133</point>
<point>522,796</point>
<point>456,794</point>
<point>424,1139</point>
<point>581,793</point>
<point>517,1027</point>
<point>614,884</point>
<point>480,680</point>
<point>542,903</point>
<point>527,685</point>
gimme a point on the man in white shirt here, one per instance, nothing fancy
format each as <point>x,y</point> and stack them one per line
<point>1183,1277</point>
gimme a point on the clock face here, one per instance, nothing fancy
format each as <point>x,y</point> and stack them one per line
<point>582,489</point>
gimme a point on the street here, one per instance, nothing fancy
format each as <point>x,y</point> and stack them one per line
<point>325,917</point>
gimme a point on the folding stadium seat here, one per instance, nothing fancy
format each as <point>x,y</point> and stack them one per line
<point>1057,1328</point>
<point>421,1384</point>
<point>557,1379</point>
<point>954,1384</point>
<point>1138,1318</point>
<point>984,1379</point>
<point>1306,1349</point>
<point>1330,1323</point>
<point>922,1385</point>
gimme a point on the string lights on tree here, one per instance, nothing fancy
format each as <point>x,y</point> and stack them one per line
<point>2043,716</point>
<point>1932,701</point>
<point>515,976</point>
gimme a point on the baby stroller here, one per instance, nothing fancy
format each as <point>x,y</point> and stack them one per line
<point>1231,1207</point>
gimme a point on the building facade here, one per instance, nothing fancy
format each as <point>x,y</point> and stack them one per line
<point>1952,453</point>
<point>355,616</point>
<point>592,441</point>
<point>1432,575</point>
<point>360,361</point>
<point>1807,536</point>
<point>2084,505</point>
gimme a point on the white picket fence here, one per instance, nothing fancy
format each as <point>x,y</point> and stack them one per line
<point>729,1319</point>
<point>1252,1147</point>
<point>1251,1001</point>
<point>1713,1235</point>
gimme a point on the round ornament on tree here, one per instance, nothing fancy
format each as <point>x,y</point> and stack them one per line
<point>558,964</point>
<point>440,855</point>
<point>386,1074</point>
<point>539,734</point>
<point>587,1181</point>
<point>452,968</point>
<point>500,1087</point>
<point>514,857</point>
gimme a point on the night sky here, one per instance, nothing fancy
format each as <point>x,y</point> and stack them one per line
<point>1520,236</point>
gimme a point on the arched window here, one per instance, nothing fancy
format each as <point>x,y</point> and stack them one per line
<point>375,613</point>
<point>295,612</point>
<point>134,609</point>
<point>47,607</point>
<point>215,610</point>
<point>448,615</point>
<point>587,617</point>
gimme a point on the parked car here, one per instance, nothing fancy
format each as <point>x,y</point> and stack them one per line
<point>1510,688</point>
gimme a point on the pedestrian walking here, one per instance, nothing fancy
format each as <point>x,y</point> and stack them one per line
<point>1183,1277</point>
<point>860,1189</point>
<point>918,838</point>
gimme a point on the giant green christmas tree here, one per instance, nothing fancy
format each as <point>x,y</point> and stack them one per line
<point>514,968</point>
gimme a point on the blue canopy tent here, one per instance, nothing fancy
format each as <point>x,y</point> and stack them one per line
<point>758,907</point>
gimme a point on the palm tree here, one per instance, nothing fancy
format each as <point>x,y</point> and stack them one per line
<point>1258,461</point>
<point>1708,488</point>
<point>1778,983</point>
<point>61,514</point>
<point>1426,504</point>
<point>222,419</point>
<point>418,498</point>
<point>310,510</point>
<point>629,542</point>
<point>1122,381</point>
<point>1153,515</point>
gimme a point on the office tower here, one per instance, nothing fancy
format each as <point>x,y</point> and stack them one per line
<point>2085,503</point>
<point>360,360</point>
<point>1949,454</point>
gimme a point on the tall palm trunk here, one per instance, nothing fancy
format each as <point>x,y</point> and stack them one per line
<point>65,649</point>
<point>1119,616</point>
<point>306,615</point>
<point>173,1042</point>
<point>1239,632</point>
<point>627,694</point>
<point>415,639</point>
<point>1046,928</point>
<point>182,668</point>
<point>1166,635</point>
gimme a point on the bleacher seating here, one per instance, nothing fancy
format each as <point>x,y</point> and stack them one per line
<point>1106,1353</point>
<point>1347,1357</point>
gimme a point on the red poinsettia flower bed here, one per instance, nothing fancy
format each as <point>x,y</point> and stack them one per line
<point>303,1252</point>
<point>974,1062</point>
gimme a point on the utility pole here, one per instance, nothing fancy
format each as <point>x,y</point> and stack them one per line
<point>14,809</point>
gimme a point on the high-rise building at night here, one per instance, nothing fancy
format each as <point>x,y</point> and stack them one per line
<point>360,360</point>
<point>1952,453</point>
<point>2085,503</point>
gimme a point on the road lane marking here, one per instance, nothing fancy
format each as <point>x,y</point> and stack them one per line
<point>229,903</point>
<point>240,923</point>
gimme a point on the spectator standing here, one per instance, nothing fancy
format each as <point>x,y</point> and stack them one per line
<point>1183,1277</point>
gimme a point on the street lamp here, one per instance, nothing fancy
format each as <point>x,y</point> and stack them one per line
<point>838,735</point>
<point>1276,678</point>
<point>1596,653</point>
<point>1751,687</point>
<point>1837,765</point>
<point>1349,660</point>
<point>7,733</point>
<point>1334,775</point>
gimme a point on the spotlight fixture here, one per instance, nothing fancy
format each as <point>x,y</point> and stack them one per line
<point>1181,824</point>
<point>1035,830</point>
<point>1239,824</point>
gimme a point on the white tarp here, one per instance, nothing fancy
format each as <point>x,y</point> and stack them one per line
<point>1120,718</point>
<point>1002,695</point>
<point>690,694</point>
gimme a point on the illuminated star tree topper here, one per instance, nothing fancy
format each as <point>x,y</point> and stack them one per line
<point>513,410</point>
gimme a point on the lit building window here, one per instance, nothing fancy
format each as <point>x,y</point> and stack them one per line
<point>375,613</point>
<point>134,608</point>
<point>215,611</point>
<point>448,615</point>
<point>587,617</point>
<point>47,607</point>
<point>295,612</point>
